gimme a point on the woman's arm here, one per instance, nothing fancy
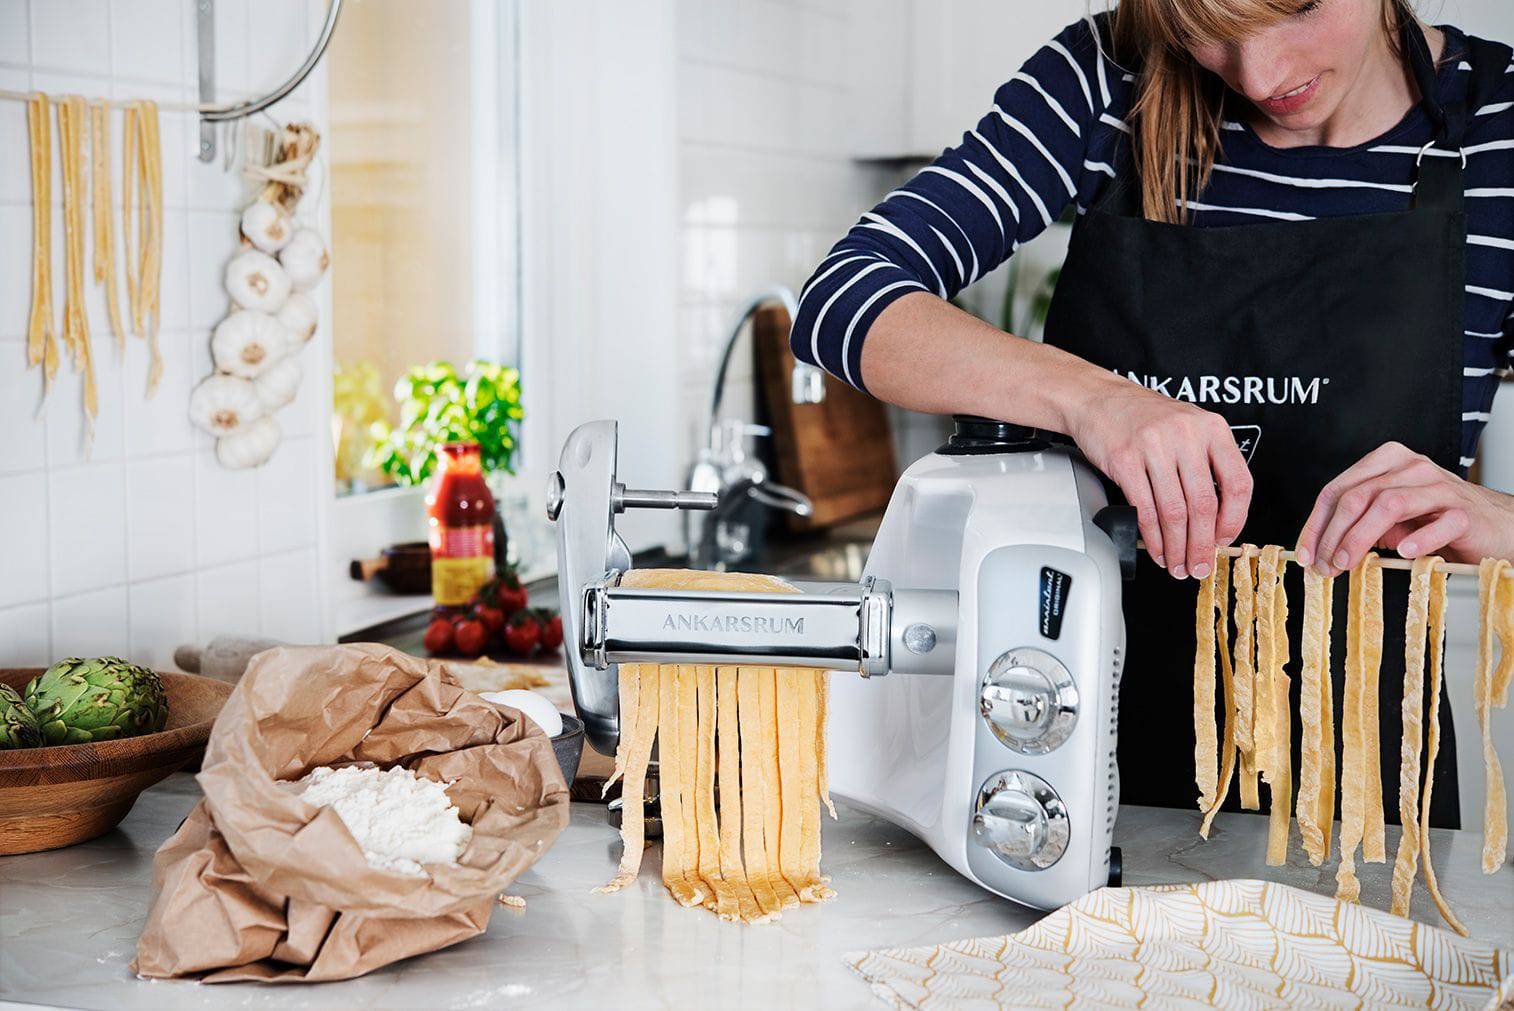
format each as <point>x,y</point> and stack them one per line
<point>1177,464</point>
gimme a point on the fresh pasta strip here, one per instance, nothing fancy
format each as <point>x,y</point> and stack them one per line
<point>1326,796</point>
<point>131,192</point>
<point>686,690</point>
<point>721,898</point>
<point>760,866</point>
<point>1281,816</point>
<point>772,784</point>
<point>630,715</point>
<point>1205,734</point>
<point>810,747</point>
<point>1228,750</point>
<point>670,744</point>
<point>1432,746</point>
<point>1315,668</point>
<point>1374,837</point>
<point>1265,701</point>
<point>636,743</point>
<point>71,126</point>
<point>1353,774</point>
<point>1416,628</point>
<point>41,342</point>
<point>1245,674</point>
<point>1486,694</point>
<point>822,722</point>
<point>104,227</point>
<point>151,153</point>
<point>728,757</point>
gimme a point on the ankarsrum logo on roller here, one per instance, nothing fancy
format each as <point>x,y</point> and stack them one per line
<point>750,623</point>
<point>1233,389</point>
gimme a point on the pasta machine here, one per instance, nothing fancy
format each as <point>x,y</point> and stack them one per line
<point>986,630</point>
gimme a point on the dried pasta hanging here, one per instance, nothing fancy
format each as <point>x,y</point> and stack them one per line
<point>41,341</point>
<point>755,735</point>
<point>104,218</point>
<point>71,133</point>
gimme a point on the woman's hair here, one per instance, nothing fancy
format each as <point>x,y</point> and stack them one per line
<point>1175,118</point>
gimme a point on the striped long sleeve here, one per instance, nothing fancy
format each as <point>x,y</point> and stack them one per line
<point>1046,142</point>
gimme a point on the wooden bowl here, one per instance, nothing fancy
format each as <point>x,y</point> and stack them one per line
<point>61,795</point>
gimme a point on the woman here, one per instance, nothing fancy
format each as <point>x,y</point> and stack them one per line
<point>1288,289</point>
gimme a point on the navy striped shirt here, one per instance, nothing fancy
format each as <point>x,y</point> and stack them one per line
<point>1054,138</point>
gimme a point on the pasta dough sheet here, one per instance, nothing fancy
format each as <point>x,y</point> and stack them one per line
<point>742,771</point>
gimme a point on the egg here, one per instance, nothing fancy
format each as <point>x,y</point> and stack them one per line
<point>537,707</point>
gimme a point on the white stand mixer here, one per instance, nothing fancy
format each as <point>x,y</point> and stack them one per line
<point>991,600</point>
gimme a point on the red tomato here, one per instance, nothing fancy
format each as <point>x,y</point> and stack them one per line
<point>492,617</point>
<point>523,637</point>
<point>439,636</point>
<point>551,632</point>
<point>471,637</point>
<point>511,598</point>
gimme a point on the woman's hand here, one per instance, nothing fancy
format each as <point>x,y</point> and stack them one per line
<point>1178,464</point>
<point>1401,500</point>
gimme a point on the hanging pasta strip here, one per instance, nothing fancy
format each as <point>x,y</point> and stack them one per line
<point>808,682</point>
<point>1315,666</point>
<point>760,864</point>
<point>1488,693</point>
<point>1265,700</point>
<point>1281,816</point>
<point>1374,832</point>
<point>773,824</point>
<point>686,690</point>
<point>151,152</point>
<point>104,220</point>
<point>1432,747</point>
<point>131,193</point>
<point>1228,749</point>
<point>1206,770</point>
<point>822,776</point>
<point>1416,628</point>
<point>1245,674</point>
<point>639,727</point>
<point>728,760</point>
<point>722,898</point>
<point>1353,774</point>
<point>1326,797</point>
<point>71,123</point>
<point>41,340</point>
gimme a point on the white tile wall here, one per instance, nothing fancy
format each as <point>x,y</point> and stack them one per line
<point>766,178</point>
<point>144,541</point>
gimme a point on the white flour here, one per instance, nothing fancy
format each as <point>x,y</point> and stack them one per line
<point>400,819</point>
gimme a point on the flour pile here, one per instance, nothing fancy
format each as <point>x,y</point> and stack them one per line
<point>401,820</point>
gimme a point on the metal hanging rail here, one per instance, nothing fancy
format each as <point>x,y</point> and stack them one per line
<point>210,112</point>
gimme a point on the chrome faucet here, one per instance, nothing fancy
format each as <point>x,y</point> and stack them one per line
<point>725,469</point>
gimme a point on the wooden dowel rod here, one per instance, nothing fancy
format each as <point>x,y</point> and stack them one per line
<point>1451,568</point>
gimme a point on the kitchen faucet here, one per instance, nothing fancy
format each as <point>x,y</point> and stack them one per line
<point>725,468</point>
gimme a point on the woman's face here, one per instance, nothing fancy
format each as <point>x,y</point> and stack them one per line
<point>1298,71</point>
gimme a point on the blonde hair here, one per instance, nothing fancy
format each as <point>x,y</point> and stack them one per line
<point>1175,117</point>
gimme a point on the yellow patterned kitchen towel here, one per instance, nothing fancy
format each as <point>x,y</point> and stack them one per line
<point>1227,944</point>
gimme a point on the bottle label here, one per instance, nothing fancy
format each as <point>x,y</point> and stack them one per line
<point>462,561</point>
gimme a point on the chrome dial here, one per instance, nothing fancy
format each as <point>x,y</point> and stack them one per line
<point>1021,820</point>
<point>1029,701</point>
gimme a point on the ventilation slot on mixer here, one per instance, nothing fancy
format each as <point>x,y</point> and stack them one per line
<point>1112,796</point>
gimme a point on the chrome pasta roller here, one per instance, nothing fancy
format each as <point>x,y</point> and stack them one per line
<point>986,631</point>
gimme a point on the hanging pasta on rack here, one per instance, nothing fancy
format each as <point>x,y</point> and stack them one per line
<point>71,133</point>
<point>41,341</point>
<point>142,185</point>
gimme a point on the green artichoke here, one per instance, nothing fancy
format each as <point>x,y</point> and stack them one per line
<point>18,727</point>
<point>77,701</point>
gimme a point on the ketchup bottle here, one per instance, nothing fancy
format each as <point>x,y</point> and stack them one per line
<point>462,526</point>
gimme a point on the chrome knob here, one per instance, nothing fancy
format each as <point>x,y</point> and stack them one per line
<point>1021,820</point>
<point>1029,701</point>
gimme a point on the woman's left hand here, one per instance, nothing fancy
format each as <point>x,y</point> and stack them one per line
<point>1401,500</point>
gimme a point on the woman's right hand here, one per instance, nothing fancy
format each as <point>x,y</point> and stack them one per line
<point>1177,464</point>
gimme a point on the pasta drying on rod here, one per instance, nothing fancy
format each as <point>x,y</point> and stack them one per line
<point>41,341</point>
<point>1258,711</point>
<point>753,735</point>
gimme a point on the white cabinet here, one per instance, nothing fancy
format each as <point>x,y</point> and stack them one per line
<point>923,72</point>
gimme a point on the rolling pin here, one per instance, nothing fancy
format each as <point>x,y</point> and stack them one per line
<point>225,658</point>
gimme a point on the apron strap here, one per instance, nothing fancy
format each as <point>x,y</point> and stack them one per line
<point>1439,182</point>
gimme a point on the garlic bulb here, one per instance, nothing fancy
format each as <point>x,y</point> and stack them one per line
<point>250,447</point>
<point>255,280</point>
<point>305,259</point>
<point>299,315</point>
<point>224,405</point>
<point>247,343</point>
<point>266,226</point>
<point>278,385</point>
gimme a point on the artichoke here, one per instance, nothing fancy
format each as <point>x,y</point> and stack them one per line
<point>18,727</point>
<point>77,701</point>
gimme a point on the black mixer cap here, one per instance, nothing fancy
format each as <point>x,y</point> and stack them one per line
<point>985,435</point>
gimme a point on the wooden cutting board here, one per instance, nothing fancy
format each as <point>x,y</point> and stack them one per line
<point>839,452</point>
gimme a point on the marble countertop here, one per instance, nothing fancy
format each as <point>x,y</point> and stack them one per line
<point>69,919</point>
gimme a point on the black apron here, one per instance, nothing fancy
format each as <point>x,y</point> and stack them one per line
<point>1318,341</point>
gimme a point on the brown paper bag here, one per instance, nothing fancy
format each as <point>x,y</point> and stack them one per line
<point>259,885</point>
